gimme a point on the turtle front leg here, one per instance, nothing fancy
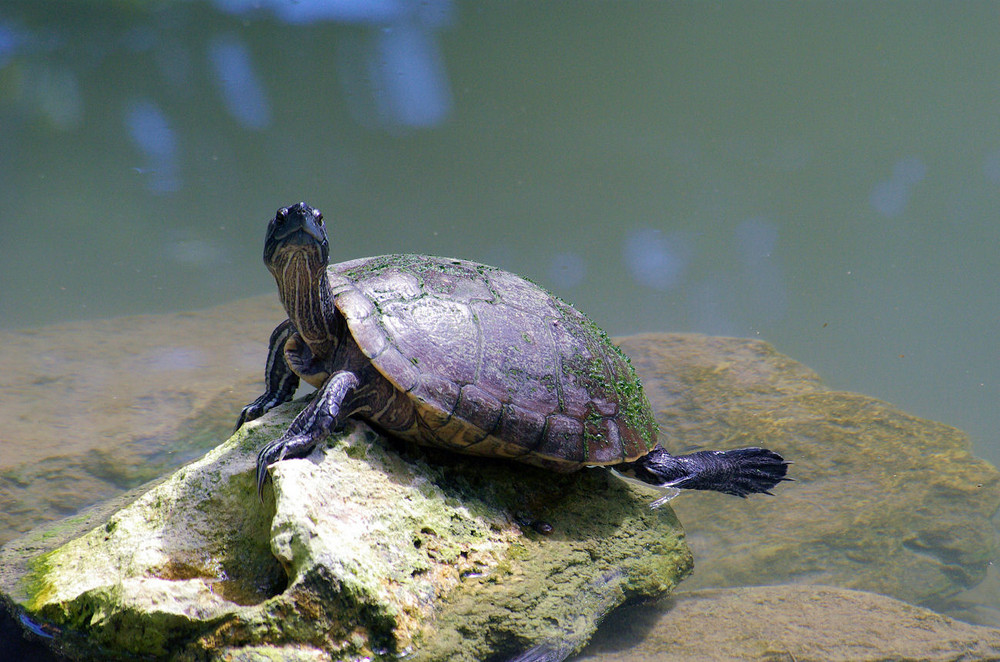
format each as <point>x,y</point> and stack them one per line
<point>323,415</point>
<point>279,380</point>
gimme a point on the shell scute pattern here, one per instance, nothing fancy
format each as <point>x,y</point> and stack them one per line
<point>479,408</point>
<point>518,357</point>
<point>520,293</point>
<point>605,446</point>
<point>494,364</point>
<point>354,305</point>
<point>442,394</point>
<point>562,439</point>
<point>393,286</point>
<point>439,334</point>
<point>398,368</point>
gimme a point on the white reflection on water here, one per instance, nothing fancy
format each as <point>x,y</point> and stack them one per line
<point>312,11</point>
<point>151,133</point>
<point>656,260</point>
<point>393,73</point>
<point>408,78</point>
<point>242,92</point>
<point>11,40</point>
<point>890,197</point>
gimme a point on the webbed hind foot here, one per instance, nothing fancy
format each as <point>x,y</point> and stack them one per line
<point>739,472</point>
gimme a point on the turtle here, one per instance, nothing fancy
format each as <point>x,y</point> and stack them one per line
<point>462,356</point>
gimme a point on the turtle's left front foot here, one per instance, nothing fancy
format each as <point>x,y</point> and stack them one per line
<point>284,447</point>
<point>321,416</point>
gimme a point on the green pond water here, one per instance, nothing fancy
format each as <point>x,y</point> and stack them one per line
<point>822,176</point>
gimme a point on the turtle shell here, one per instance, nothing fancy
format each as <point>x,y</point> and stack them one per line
<point>494,364</point>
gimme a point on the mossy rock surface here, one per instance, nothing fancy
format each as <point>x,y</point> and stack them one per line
<point>365,549</point>
<point>882,501</point>
<point>801,623</point>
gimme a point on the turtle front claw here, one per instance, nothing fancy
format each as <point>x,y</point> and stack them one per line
<point>286,447</point>
<point>259,407</point>
<point>249,413</point>
<point>273,452</point>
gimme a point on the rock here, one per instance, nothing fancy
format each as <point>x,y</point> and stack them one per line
<point>91,408</point>
<point>801,623</point>
<point>367,550</point>
<point>883,501</point>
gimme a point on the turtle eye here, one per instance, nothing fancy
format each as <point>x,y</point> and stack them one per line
<point>318,215</point>
<point>282,215</point>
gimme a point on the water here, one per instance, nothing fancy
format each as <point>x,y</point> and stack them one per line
<point>821,176</point>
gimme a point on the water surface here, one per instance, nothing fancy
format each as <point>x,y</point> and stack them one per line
<point>822,176</point>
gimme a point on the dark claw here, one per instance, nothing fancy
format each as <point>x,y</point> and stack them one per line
<point>287,447</point>
<point>249,413</point>
<point>253,411</point>
<point>271,453</point>
<point>262,477</point>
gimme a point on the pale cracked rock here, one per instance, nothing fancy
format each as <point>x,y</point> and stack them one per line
<point>366,550</point>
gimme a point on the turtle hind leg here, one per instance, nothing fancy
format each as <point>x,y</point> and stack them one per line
<point>738,472</point>
<point>324,414</point>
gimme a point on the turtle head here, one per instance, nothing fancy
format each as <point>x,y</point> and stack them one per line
<point>296,235</point>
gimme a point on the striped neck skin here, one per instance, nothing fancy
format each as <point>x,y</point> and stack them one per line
<point>305,293</point>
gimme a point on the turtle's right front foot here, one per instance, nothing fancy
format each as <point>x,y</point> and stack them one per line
<point>252,411</point>
<point>320,417</point>
<point>249,413</point>
<point>264,404</point>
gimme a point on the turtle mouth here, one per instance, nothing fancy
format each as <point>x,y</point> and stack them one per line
<point>302,233</point>
<point>296,238</point>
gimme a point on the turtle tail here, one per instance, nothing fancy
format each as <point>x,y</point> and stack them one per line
<point>738,472</point>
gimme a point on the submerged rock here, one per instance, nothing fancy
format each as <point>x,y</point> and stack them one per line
<point>91,408</point>
<point>801,623</point>
<point>883,501</point>
<point>367,550</point>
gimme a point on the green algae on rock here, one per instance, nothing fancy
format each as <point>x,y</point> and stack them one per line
<point>371,552</point>
<point>801,623</point>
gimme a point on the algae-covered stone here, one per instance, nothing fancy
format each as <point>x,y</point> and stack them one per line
<point>372,551</point>
<point>883,500</point>
<point>801,623</point>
